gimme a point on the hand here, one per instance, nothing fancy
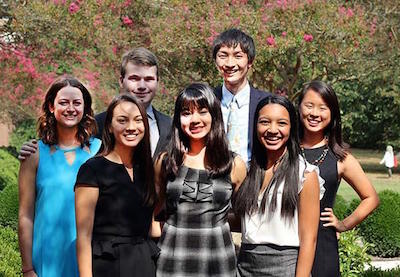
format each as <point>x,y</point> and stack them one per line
<point>27,149</point>
<point>331,220</point>
<point>31,273</point>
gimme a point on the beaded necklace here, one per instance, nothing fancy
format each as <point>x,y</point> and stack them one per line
<point>321,157</point>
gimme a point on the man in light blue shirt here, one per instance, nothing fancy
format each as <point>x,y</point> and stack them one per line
<point>234,53</point>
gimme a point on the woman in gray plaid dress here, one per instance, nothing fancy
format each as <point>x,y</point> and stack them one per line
<point>196,178</point>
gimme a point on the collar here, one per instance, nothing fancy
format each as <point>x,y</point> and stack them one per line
<point>150,112</point>
<point>242,96</point>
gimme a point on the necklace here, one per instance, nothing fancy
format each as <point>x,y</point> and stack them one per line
<point>321,157</point>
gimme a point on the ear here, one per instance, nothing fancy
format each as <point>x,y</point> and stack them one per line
<point>51,108</point>
<point>121,79</point>
<point>249,64</point>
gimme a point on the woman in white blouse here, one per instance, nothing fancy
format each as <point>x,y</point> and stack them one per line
<point>279,201</point>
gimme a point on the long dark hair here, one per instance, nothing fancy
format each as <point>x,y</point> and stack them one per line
<point>218,158</point>
<point>47,124</point>
<point>334,130</point>
<point>141,158</point>
<point>246,199</point>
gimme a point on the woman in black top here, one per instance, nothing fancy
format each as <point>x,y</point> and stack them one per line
<point>322,145</point>
<point>115,196</point>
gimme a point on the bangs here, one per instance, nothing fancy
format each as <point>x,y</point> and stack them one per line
<point>193,99</point>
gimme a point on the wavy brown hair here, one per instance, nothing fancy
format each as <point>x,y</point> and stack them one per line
<point>141,158</point>
<point>47,124</point>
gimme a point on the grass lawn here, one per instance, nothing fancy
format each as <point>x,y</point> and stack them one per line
<point>376,173</point>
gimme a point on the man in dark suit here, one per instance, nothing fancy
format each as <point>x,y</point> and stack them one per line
<point>139,77</point>
<point>233,54</point>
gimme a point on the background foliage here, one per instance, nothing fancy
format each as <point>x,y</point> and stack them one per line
<point>351,44</point>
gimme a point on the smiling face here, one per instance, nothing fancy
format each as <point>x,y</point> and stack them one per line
<point>127,125</point>
<point>68,107</point>
<point>315,114</point>
<point>195,123</point>
<point>233,64</point>
<point>273,128</point>
<point>141,81</point>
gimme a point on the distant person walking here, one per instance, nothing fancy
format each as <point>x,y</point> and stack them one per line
<point>388,160</point>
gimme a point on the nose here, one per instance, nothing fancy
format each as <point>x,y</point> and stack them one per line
<point>230,61</point>
<point>314,111</point>
<point>195,117</point>
<point>70,107</point>
<point>131,125</point>
<point>273,128</point>
<point>141,85</point>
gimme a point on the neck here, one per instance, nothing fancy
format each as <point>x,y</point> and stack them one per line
<point>123,154</point>
<point>235,88</point>
<point>274,157</point>
<point>67,136</point>
<point>196,148</point>
<point>313,140</point>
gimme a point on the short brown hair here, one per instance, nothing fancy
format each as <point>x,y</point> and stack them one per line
<point>138,56</point>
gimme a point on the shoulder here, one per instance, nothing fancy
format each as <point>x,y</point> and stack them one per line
<point>259,93</point>
<point>349,163</point>
<point>218,92</point>
<point>94,162</point>
<point>95,144</point>
<point>161,116</point>
<point>239,170</point>
<point>100,116</point>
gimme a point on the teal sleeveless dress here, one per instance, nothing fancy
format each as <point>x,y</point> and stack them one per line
<point>54,231</point>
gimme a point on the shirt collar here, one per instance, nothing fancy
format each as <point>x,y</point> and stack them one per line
<point>242,96</point>
<point>150,112</point>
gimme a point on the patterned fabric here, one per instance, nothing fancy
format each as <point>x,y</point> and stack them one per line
<point>196,239</point>
<point>235,112</point>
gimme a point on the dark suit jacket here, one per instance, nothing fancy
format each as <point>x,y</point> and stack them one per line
<point>164,123</point>
<point>255,97</point>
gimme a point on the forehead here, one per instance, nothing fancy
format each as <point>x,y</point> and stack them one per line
<point>225,48</point>
<point>126,109</point>
<point>69,92</point>
<point>273,110</point>
<point>140,70</point>
<point>314,97</point>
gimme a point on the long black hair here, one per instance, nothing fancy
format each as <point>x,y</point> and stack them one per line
<point>217,155</point>
<point>142,155</point>
<point>334,130</point>
<point>246,199</point>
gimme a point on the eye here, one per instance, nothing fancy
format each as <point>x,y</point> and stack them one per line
<point>263,121</point>
<point>77,103</point>
<point>63,103</point>
<point>121,120</point>
<point>139,119</point>
<point>323,108</point>
<point>239,56</point>
<point>134,78</point>
<point>221,55</point>
<point>203,111</point>
<point>282,123</point>
<point>185,113</point>
<point>149,79</point>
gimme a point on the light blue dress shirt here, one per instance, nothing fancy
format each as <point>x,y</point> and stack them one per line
<point>242,118</point>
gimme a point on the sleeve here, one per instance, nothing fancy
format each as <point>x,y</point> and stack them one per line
<point>304,167</point>
<point>87,176</point>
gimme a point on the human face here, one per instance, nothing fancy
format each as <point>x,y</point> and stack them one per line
<point>127,125</point>
<point>140,81</point>
<point>314,112</point>
<point>68,107</point>
<point>196,123</point>
<point>233,64</point>
<point>273,128</point>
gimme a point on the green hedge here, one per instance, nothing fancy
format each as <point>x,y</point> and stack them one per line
<point>376,272</point>
<point>8,170</point>
<point>10,261</point>
<point>353,255</point>
<point>382,227</point>
<point>9,206</point>
<point>340,207</point>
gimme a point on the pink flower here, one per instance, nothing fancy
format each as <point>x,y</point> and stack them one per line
<point>271,41</point>
<point>308,37</point>
<point>73,8</point>
<point>115,49</point>
<point>126,3</point>
<point>127,21</point>
<point>350,12</point>
<point>284,34</point>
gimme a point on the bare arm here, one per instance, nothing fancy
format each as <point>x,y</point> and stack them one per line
<point>238,174</point>
<point>27,149</point>
<point>308,224</point>
<point>85,205</point>
<point>159,183</point>
<point>352,172</point>
<point>27,196</point>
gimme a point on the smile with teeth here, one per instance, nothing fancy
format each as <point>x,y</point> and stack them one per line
<point>313,122</point>
<point>195,129</point>
<point>272,139</point>
<point>130,136</point>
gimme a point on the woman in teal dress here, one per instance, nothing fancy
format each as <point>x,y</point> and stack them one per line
<point>46,229</point>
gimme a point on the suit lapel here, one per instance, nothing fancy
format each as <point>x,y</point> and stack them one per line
<point>254,99</point>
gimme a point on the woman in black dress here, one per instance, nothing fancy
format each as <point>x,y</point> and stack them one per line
<point>114,198</point>
<point>322,145</point>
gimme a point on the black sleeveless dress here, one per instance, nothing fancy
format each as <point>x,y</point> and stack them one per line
<point>326,261</point>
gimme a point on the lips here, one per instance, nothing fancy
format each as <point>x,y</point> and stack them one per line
<point>130,136</point>
<point>195,130</point>
<point>272,139</point>
<point>141,94</point>
<point>313,122</point>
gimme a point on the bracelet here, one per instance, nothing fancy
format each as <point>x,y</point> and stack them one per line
<point>26,270</point>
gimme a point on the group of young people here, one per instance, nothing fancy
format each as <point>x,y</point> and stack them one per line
<point>88,207</point>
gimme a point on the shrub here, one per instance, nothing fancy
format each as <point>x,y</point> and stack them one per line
<point>24,131</point>
<point>382,227</point>
<point>8,170</point>
<point>9,206</point>
<point>10,261</point>
<point>376,272</point>
<point>340,207</point>
<point>353,254</point>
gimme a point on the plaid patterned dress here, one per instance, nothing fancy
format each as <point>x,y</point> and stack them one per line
<point>196,239</point>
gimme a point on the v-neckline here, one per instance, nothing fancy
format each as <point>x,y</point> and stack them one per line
<point>121,165</point>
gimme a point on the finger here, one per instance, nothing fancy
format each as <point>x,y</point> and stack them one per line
<point>325,219</point>
<point>328,209</point>
<point>21,157</point>
<point>328,224</point>
<point>326,213</point>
